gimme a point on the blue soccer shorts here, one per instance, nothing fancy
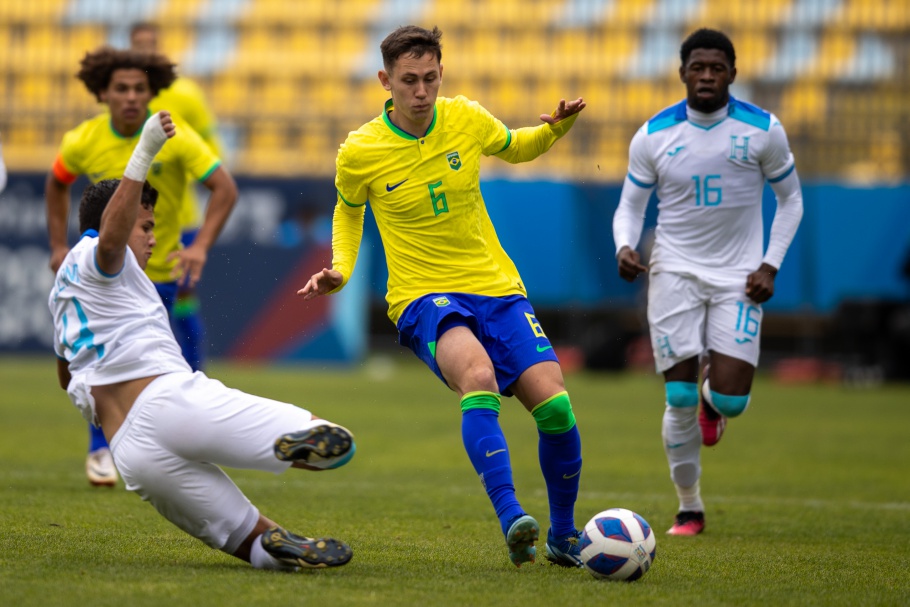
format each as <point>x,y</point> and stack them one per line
<point>505,326</point>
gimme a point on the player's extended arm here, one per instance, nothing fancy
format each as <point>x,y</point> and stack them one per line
<point>786,218</point>
<point>760,284</point>
<point>119,217</point>
<point>628,221</point>
<point>57,198</point>
<point>530,142</point>
<point>222,200</point>
<point>347,231</point>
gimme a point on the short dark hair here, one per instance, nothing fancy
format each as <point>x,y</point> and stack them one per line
<point>143,26</point>
<point>707,38</point>
<point>96,196</point>
<point>412,41</point>
<point>99,65</point>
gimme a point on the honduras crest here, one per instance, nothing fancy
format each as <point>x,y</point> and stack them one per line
<point>454,160</point>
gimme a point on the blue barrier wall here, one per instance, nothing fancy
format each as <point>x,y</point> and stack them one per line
<point>852,244</point>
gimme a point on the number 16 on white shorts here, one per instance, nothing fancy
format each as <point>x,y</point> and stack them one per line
<point>688,315</point>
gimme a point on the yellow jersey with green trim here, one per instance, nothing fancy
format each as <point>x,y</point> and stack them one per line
<point>425,195</point>
<point>96,150</point>
<point>186,99</point>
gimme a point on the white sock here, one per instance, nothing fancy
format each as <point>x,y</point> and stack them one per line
<point>690,498</point>
<point>260,559</point>
<point>682,444</point>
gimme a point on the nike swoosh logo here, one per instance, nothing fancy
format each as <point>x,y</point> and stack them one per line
<point>568,476</point>
<point>743,340</point>
<point>675,445</point>
<point>543,349</point>
<point>389,188</point>
<point>492,453</point>
<point>676,151</point>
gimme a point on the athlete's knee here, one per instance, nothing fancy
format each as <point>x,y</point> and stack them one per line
<point>682,394</point>
<point>729,405</point>
<point>478,377</point>
<point>554,415</point>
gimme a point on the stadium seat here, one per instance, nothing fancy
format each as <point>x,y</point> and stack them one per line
<point>803,106</point>
<point>37,12</point>
<point>882,15</point>
<point>725,14</point>
<point>311,65</point>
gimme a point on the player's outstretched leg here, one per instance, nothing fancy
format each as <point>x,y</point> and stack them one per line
<point>325,445</point>
<point>559,450</point>
<point>308,553</point>
<point>486,447</point>
<point>682,444</point>
<point>521,538</point>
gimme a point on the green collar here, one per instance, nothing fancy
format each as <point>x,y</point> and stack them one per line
<point>117,133</point>
<point>398,131</point>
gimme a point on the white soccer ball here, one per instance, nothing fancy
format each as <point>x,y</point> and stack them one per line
<point>617,544</point>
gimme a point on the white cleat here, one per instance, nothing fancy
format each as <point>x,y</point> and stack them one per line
<point>100,469</point>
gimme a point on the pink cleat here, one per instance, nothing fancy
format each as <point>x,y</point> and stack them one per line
<point>688,523</point>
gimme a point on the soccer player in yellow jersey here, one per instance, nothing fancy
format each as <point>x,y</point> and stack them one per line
<point>186,99</point>
<point>100,147</point>
<point>454,294</point>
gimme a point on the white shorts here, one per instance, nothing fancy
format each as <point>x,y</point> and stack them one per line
<point>182,426</point>
<point>689,315</point>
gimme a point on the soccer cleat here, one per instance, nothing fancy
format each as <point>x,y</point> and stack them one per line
<point>711,421</point>
<point>325,446</point>
<point>100,469</point>
<point>564,551</point>
<point>305,552</point>
<point>521,537</point>
<point>688,523</point>
<point>712,424</point>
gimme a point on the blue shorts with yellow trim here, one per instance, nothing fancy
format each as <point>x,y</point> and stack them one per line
<point>505,326</point>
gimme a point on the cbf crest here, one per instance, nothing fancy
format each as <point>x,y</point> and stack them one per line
<point>454,160</point>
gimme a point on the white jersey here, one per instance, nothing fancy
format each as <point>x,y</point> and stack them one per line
<point>109,328</point>
<point>709,171</point>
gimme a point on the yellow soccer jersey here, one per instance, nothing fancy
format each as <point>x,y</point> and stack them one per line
<point>96,150</point>
<point>186,99</point>
<point>425,195</point>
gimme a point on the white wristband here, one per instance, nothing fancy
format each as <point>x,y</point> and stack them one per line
<point>150,142</point>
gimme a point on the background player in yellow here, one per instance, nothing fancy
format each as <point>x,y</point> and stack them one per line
<point>186,99</point>
<point>100,148</point>
<point>455,295</point>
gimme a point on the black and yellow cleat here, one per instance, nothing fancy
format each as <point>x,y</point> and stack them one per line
<point>305,552</point>
<point>324,446</point>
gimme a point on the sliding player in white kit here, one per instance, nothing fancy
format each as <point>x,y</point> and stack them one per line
<point>709,157</point>
<point>170,428</point>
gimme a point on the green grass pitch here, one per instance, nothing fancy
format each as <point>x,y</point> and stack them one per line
<point>808,500</point>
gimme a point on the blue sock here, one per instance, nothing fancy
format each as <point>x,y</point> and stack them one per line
<point>560,462</point>
<point>486,446</point>
<point>96,438</point>
<point>559,450</point>
<point>188,329</point>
